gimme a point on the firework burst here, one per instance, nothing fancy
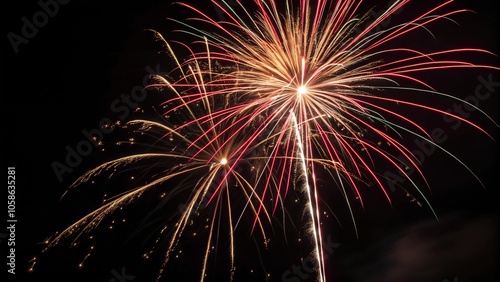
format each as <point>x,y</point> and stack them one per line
<point>191,141</point>
<point>322,68</point>
<point>294,90</point>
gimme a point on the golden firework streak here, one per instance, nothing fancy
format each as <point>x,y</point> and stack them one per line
<point>315,225</point>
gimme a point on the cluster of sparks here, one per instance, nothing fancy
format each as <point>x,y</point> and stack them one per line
<point>277,97</point>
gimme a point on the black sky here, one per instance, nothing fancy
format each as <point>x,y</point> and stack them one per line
<point>65,78</point>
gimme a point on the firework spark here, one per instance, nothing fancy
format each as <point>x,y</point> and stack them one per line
<point>295,88</point>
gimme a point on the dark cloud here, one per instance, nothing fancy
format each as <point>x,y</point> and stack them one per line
<point>458,248</point>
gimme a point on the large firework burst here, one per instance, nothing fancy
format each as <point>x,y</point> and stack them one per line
<point>288,92</point>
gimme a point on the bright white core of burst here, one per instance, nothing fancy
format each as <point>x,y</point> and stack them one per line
<point>301,90</point>
<point>223,161</point>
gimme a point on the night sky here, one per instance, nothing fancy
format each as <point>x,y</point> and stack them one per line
<point>65,79</point>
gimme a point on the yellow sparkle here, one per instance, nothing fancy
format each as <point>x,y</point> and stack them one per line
<point>223,161</point>
<point>301,90</point>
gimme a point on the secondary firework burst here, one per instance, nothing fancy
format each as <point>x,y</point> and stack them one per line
<point>288,92</point>
<point>200,162</point>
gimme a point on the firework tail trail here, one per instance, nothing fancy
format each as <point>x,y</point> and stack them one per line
<point>274,58</point>
<point>316,232</point>
<point>274,51</point>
